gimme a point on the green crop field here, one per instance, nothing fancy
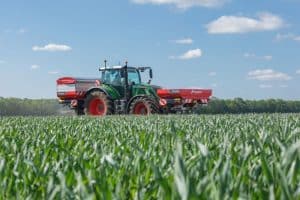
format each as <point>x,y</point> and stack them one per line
<point>156,157</point>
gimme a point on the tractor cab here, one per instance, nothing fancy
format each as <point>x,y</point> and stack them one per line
<point>116,75</point>
<point>124,78</point>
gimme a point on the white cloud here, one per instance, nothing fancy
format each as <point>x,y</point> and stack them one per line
<point>212,73</point>
<point>184,41</point>
<point>17,31</point>
<point>195,53</point>
<point>52,47</point>
<point>249,55</point>
<point>252,55</point>
<point>33,67</point>
<point>268,75</point>
<point>183,4</point>
<point>264,86</point>
<point>287,36</point>
<point>22,31</point>
<point>268,57</point>
<point>53,72</point>
<point>2,61</point>
<point>298,71</point>
<point>239,24</point>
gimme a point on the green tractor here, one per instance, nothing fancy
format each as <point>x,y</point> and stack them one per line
<point>118,91</point>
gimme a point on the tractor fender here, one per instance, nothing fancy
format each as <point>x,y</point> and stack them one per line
<point>138,96</point>
<point>96,89</point>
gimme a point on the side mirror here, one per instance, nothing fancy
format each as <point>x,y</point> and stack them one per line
<point>151,73</point>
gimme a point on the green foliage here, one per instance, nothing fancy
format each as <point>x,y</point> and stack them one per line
<point>156,157</point>
<point>50,107</point>
<point>28,107</point>
<point>239,106</point>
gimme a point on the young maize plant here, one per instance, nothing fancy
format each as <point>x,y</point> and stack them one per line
<point>152,157</point>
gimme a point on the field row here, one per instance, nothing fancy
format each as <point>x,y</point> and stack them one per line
<point>156,157</point>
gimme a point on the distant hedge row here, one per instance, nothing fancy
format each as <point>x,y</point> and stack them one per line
<point>48,107</point>
<point>28,107</point>
<point>239,106</point>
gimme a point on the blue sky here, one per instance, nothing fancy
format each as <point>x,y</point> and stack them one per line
<point>248,49</point>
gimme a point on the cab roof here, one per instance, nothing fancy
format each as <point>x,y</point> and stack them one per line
<point>114,67</point>
<point>120,67</point>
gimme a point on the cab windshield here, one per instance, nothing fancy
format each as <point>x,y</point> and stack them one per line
<point>133,77</point>
<point>113,77</point>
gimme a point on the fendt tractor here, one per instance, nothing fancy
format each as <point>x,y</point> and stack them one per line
<point>120,90</point>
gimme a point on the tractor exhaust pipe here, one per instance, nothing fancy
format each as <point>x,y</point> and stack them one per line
<point>126,88</point>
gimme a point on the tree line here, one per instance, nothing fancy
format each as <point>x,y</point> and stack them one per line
<point>28,107</point>
<point>51,107</point>
<point>240,106</point>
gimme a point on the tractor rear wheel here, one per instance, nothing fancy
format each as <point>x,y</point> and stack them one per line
<point>98,104</point>
<point>143,106</point>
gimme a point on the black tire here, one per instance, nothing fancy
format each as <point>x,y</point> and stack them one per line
<point>143,106</point>
<point>98,104</point>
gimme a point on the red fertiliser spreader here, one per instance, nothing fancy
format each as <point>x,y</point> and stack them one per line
<point>178,100</point>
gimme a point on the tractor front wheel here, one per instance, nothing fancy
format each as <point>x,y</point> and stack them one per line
<point>97,104</point>
<point>143,106</point>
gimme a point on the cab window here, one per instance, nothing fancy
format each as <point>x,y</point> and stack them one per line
<point>111,77</point>
<point>133,77</point>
